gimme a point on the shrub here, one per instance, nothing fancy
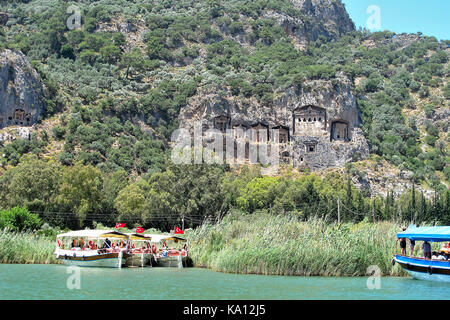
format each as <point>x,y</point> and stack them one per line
<point>19,219</point>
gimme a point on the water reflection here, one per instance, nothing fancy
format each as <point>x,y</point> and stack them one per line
<point>49,282</point>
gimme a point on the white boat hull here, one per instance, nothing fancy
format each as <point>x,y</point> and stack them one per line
<point>92,259</point>
<point>429,277</point>
<point>104,263</point>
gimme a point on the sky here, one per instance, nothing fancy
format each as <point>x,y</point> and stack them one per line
<point>431,17</point>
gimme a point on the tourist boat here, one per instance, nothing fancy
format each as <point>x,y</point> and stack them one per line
<point>167,252</point>
<point>140,250</point>
<point>422,268</point>
<point>83,248</point>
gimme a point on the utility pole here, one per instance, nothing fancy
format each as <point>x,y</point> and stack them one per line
<point>182,223</point>
<point>339,211</point>
<point>373,211</point>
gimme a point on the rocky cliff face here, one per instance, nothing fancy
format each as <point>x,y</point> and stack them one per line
<point>21,90</point>
<point>321,122</point>
<point>326,18</point>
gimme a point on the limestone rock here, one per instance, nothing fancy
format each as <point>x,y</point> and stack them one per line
<point>22,92</point>
<point>322,122</point>
<point>441,118</point>
<point>326,18</point>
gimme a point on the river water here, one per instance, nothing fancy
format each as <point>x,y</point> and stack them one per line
<point>50,282</point>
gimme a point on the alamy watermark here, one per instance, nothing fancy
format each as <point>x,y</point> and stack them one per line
<point>374,20</point>
<point>374,281</point>
<point>74,20</point>
<point>74,279</point>
<point>230,146</point>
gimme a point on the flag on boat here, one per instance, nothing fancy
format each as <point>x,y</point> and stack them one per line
<point>139,230</point>
<point>178,231</point>
<point>120,225</point>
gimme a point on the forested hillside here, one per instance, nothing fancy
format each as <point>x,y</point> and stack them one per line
<point>115,87</point>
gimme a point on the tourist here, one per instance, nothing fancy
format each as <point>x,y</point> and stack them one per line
<point>412,244</point>
<point>403,244</point>
<point>438,256</point>
<point>107,243</point>
<point>74,243</point>
<point>426,250</point>
<point>82,243</point>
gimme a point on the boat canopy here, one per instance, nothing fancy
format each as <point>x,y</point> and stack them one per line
<point>432,234</point>
<point>138,236</point>
<point>164,237</point>
<point>94,234</point>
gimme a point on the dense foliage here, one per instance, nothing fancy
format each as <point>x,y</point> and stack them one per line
<point>281,245</point>
<point>83,195</point>
<point>18,220</point>
<point>117,83</point>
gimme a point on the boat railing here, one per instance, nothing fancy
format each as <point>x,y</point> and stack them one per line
<point>422,258</point>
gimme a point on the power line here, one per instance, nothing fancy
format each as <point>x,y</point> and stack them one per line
<point>91,217</point>
<point>358,213</point>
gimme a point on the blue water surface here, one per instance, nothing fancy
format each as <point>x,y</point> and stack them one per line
<point>49,282</point>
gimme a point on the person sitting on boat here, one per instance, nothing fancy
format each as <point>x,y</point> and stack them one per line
<point>82,243</point>
<point>115,248</point>
<point>107,243</point>
<point>74,243</point>
<point>426,250</point>
<point>437,256</point>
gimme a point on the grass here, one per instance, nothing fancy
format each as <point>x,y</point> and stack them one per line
<point>259,243</point>
<point>281,245</point>
<point>26,248</point>
<point>31,248</point>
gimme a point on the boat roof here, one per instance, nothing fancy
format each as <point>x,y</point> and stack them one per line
<point>139,236</point>
<point>94,234</point>
<point>432,234</point>
<point>161,237</point>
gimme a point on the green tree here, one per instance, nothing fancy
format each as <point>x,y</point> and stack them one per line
<point>80,192</point>
<point>131,204</point>
<point>33,184</point>
<point>19,219</point>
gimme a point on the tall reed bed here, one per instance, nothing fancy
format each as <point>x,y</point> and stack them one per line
<point>281,245</point>
<point>25,247</point>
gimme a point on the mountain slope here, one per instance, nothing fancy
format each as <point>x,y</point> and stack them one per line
<point>119,82</point>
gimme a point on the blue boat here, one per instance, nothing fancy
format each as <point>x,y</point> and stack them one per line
<point>423,268</point>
